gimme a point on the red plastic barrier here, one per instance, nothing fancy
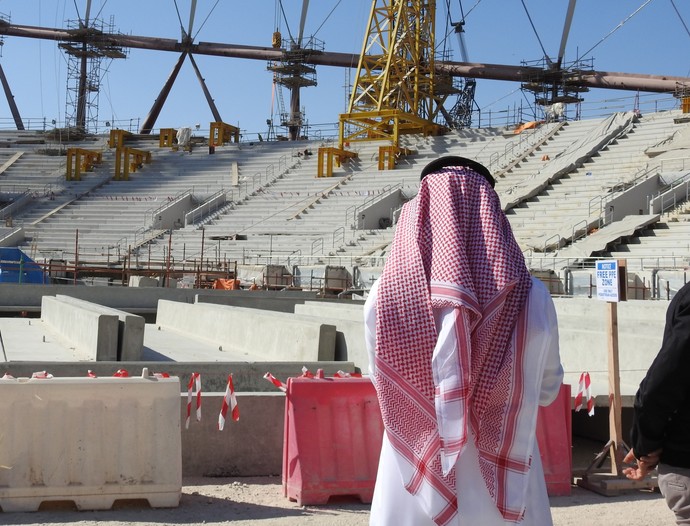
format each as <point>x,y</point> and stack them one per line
<point>554,435</point>
<point>332,440</point>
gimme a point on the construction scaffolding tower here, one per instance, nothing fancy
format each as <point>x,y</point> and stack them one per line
<point>396,90</point>
<point>292,72</point>
<point>84,70</point>
<point>557,85</point>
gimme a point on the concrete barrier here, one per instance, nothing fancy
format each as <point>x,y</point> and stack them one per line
<point>27,297</point>
<point>89,440</point>
<point>93,334</point>
<point>345,311</point>
<point>259,301</point>
<point>130,328</point>
<point>268,335</point>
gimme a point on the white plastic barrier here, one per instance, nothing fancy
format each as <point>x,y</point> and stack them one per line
<point>89,440</point>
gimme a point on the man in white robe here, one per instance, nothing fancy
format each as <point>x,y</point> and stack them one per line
<point>463,343</point>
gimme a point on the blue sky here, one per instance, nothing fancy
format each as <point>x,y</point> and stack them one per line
<point>654,41</point>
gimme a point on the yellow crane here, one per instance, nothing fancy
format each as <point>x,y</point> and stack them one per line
<point>396,90</point>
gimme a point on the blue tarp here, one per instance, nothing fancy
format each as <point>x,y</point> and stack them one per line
<point>17,267</point>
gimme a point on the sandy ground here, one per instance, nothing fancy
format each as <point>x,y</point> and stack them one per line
<point>260,502</point>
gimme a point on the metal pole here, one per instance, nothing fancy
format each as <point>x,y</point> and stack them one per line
<point>167,271</point>
<point>3,347</point>
<point>76,255</point>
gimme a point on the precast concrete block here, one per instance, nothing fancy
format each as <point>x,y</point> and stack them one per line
<point>268,335</point>
<point>94,335</point>
<point>92,441</point>
<point>130,342</point>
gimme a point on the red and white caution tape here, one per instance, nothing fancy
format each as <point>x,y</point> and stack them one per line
<point>7,376</point>
<point>91,374</point>
<point>584,391</point>
<point>194,382</point>
<point>121,373</point>
<point>42,375</point>
<point>280,385</point>
<point>230,401</point>
<point>160,375</point>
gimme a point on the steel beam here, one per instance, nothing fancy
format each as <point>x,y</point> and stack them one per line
<point>594,79</point>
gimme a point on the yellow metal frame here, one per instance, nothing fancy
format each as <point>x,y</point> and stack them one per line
<point>395,88</point>
<point>117,138</point>
<point>222,133</point>
<point>329,155</point>
<point>166,138</point>
<point>81,160</point>
<point>127,160</point>
<point>685,104</point>
<point>388,155</point>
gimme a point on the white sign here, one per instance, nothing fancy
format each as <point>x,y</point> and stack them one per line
<point>607,280</point>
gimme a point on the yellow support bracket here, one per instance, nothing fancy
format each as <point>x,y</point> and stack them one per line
<point>117,138</point>
<point>167,137</point>
<point>128,160</point>
<point>330,154</point>
<point>222,133</point>
<point>389,154</point>
<point>81,160</point>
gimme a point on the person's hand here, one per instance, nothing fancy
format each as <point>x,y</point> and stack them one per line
<point>645,464</point>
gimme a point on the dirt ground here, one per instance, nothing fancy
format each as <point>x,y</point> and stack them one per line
<point>260,502</point>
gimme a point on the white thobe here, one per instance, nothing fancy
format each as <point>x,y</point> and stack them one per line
<point>392,505</point>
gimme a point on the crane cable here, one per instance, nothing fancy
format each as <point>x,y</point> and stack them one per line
<point>680,17</point>
<point>179,18</point>
<point>206,19</point>
<point>287,25</point>
<point>546,56</point>
<point>616,28</point>
<point>327,17</point>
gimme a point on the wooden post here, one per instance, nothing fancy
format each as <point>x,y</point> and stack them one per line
<point>615,426</point>
<point>615,481</point>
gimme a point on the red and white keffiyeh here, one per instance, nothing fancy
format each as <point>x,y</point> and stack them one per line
<point>453,247</point>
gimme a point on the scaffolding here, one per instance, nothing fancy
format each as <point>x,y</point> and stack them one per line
<point>292,72</point>
<point>85,55</point>
<point>557,86</point>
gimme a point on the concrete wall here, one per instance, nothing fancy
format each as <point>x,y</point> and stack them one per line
<point>172,215</point>
<point>12,237</point>
<point>344,311</point>
<point>130,341</point>
<point>583,326</point>
<point>93,335</point>
<point>250,447</point>
<point>270,336</point>
<point>633,201</point>
<point>369,217</point>
<point>26,297</point>
<point>254,302</point>
<point>349,323</point>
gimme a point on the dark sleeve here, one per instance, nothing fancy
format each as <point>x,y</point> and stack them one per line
<point>664,388</point>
